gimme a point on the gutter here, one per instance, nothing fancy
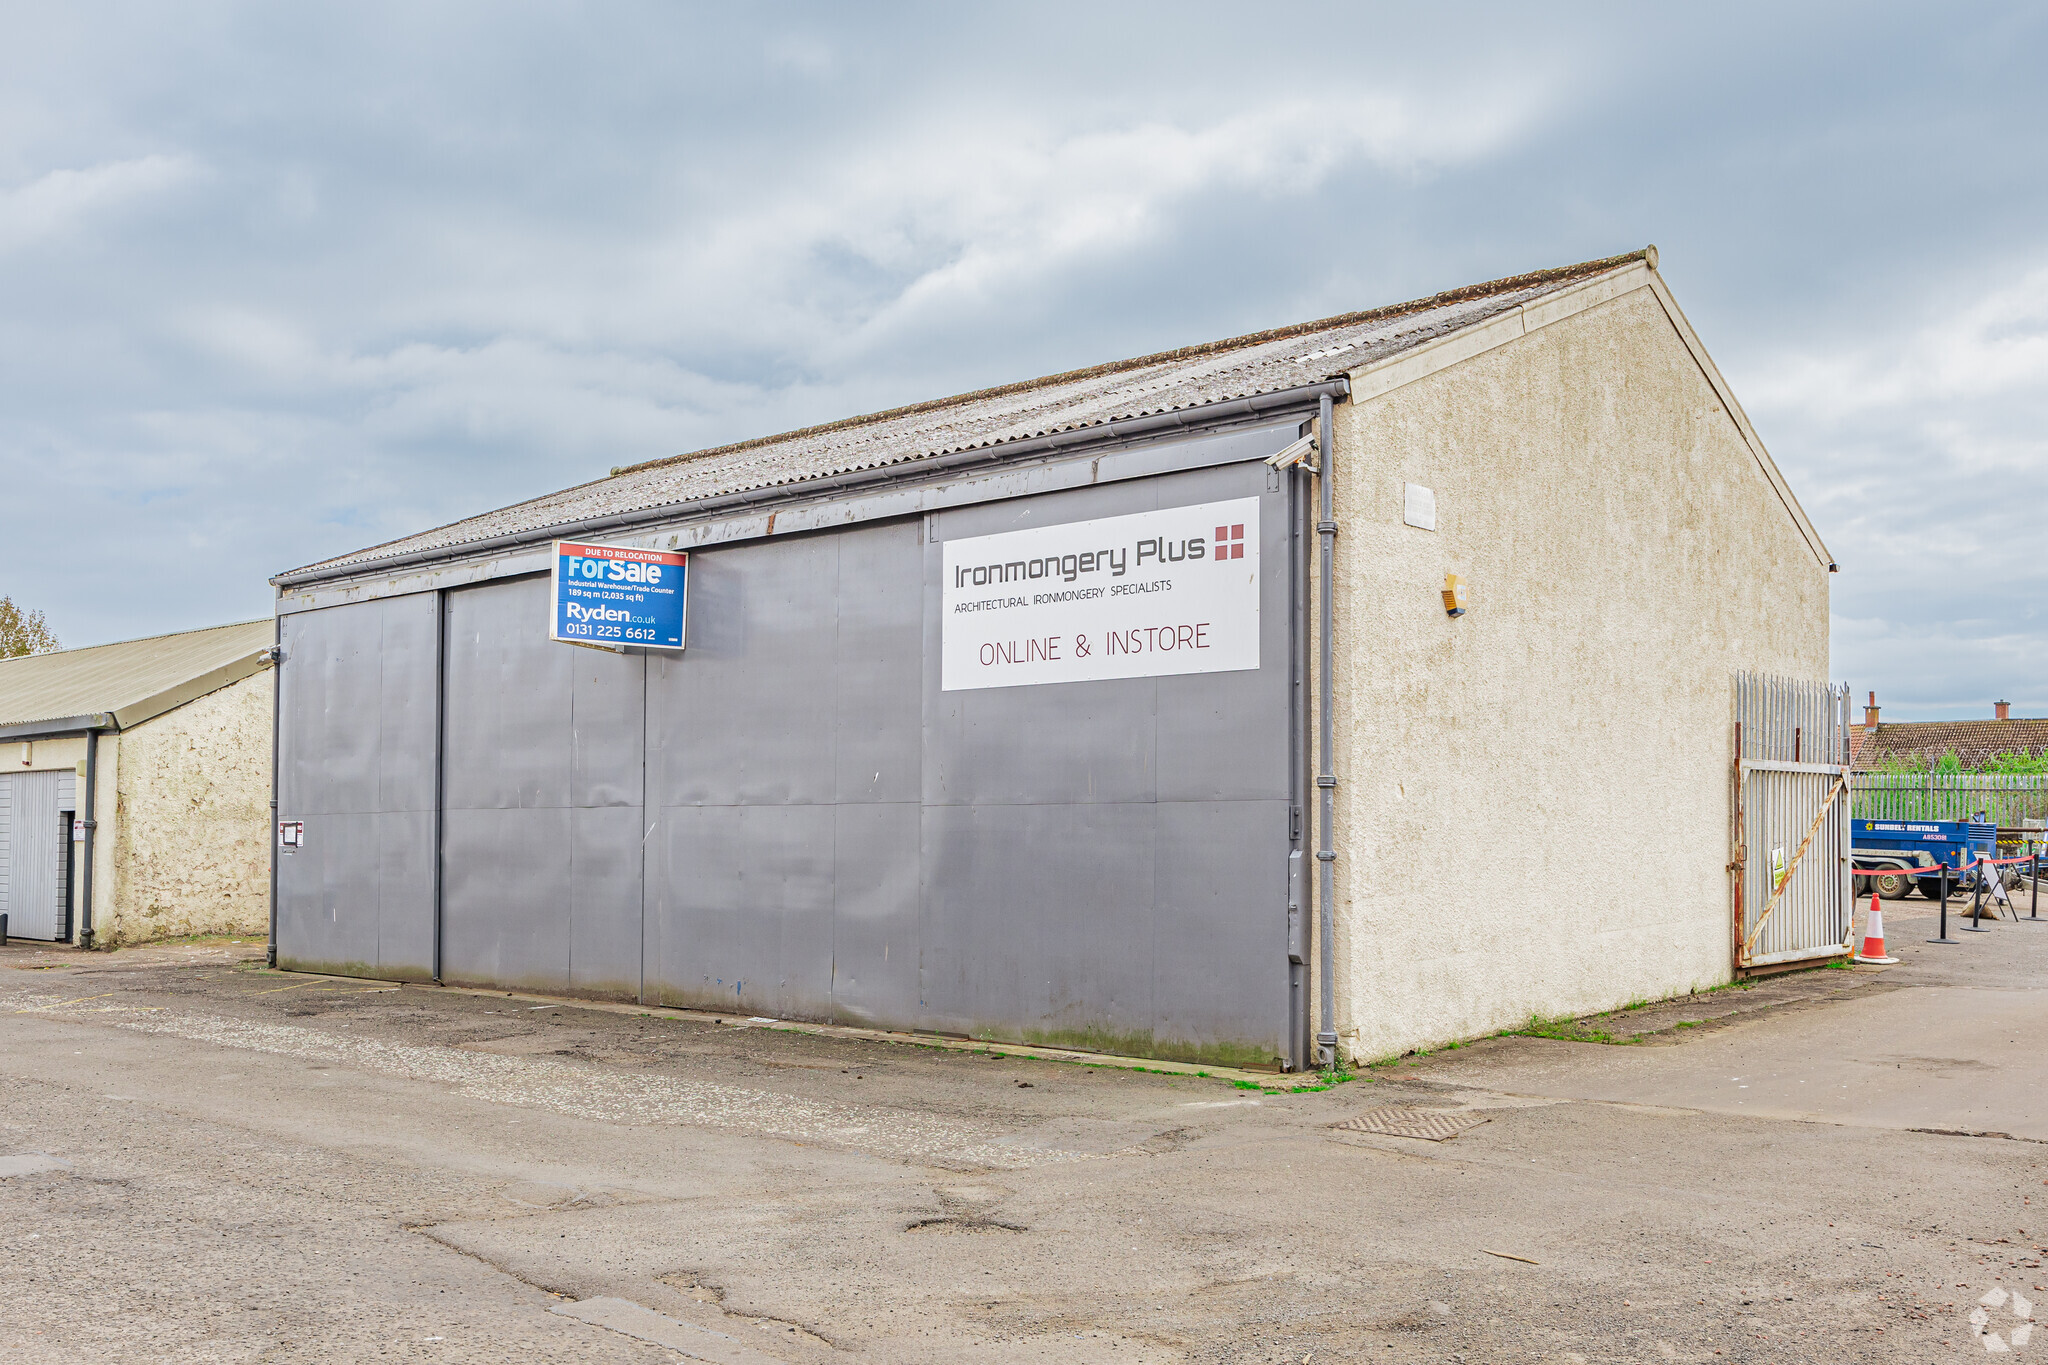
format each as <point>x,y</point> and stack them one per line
<point>56,727</point>
<point>1203,417</point>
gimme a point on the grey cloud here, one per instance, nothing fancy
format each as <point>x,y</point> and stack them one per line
<point>275,283</point>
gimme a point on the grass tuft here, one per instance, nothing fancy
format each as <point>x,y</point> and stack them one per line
<point>1566,1028</point>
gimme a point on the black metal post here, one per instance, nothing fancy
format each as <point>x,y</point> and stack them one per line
<point>276,733</point>
<point>2034,859</point>
<point>3,930</point>
<point>1942,881</point>
<point>441,768</point>
<point>1976,924</point>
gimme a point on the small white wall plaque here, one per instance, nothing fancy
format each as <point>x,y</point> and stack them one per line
<point>1418,506</point>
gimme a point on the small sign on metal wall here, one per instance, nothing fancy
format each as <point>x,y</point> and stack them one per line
<point>615,595</point>
<point>291,835</point>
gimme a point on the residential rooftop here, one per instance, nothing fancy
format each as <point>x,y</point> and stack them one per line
<point>1924,743</point>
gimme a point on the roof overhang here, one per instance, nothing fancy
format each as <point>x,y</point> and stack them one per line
<point>133,714</point>
<point>147,708</point>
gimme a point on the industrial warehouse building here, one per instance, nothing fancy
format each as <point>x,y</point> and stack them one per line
<point>135,788</point>
<point>1000,715</point>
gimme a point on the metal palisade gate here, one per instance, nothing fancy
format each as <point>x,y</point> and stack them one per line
<point>2008,800</point>
<point>1793,897</point>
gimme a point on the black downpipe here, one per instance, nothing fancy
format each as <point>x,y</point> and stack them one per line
<point>91,825</point>
<point>276,731</point>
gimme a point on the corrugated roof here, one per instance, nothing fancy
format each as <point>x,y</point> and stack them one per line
<point>1193,376</point>
<point>134,679</point>
<point>1924,743</point>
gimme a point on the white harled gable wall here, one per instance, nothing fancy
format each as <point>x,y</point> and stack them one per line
<point>1533,799</point>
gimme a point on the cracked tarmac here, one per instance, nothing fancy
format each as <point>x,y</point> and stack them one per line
<point>201,1160</point>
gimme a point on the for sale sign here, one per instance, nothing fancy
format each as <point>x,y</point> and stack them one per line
<point>1138,596</point>
<point>614,595</point>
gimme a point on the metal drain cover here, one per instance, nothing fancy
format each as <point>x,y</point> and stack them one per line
<point>1431,1125</point>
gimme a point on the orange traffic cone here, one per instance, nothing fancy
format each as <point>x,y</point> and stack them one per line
<point>1873,936</point>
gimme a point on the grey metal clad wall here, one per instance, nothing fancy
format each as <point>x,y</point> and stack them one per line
<point>836,837</point>
<point>541,849</point>
<point>356,763</point>
<point>827,833</point>
<point>1105,862</point>
<point>784,778</point>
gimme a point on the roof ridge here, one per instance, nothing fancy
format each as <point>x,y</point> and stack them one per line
<point>1250,339</point>
<point>366,557</point>
<point>141,639</point>
<point>1975,720</point>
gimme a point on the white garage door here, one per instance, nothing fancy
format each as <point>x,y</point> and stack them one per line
<point>32,848</point>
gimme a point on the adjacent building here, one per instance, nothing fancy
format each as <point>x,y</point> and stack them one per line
<point>1975,745</point>
<point>1356,685</point>
<point>135,788</point>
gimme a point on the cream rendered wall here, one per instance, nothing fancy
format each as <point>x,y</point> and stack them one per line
<point>1533,799</point>
<point>185,848</point>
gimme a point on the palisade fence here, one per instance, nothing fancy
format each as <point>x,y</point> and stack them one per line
<point>1792,887</point>
<point>2008,801</point>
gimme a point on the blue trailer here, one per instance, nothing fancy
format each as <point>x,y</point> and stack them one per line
<point>1917,848</point>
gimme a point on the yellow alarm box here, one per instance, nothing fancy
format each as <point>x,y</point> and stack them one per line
<point>1454,594</point>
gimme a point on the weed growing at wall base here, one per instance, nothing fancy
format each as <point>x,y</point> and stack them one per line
<point>1567,1029</point>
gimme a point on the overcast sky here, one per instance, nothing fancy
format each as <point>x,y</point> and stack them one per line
<point>277,282</point>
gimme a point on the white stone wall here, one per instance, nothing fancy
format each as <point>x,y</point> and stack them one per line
<point>184,842</point>
<point>1533,809</point>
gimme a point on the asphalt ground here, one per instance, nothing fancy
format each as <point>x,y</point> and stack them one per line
<point>203,1160</point>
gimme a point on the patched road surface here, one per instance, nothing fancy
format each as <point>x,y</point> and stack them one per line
<point>201,1160</point>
